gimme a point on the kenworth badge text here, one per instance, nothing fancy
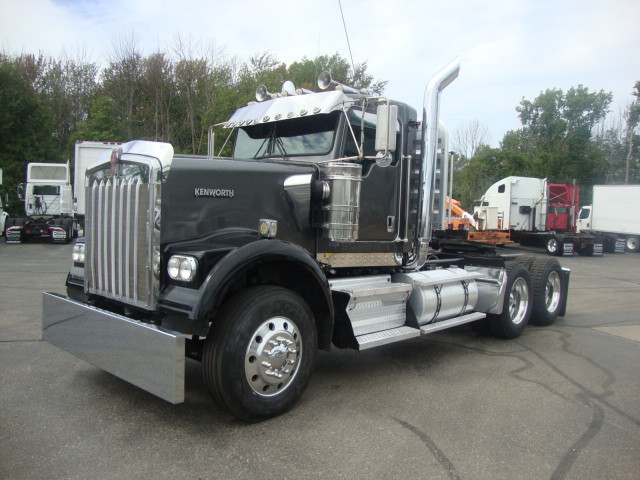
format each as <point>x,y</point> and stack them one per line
<point>316,233</point>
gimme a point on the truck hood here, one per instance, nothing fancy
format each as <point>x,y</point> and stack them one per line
<point>202,196</point>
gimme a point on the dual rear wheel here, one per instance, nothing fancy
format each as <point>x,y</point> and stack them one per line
<point>534,293</point>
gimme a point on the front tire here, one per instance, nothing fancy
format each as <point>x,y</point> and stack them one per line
<point>260,352</point>
<point>516,308</point>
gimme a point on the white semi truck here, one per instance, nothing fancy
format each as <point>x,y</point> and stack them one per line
<point>52,211</point>
<point>613,214</point>
<point>47,198</point>
<point>533,211</point>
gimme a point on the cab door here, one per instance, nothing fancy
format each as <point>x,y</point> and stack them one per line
<point>380,188</point>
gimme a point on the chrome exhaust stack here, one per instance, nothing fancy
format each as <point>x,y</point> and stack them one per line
<point>430,114</point>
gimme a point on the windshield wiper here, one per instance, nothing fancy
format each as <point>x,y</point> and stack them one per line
<point>266,139</point>
<point>280,145</point>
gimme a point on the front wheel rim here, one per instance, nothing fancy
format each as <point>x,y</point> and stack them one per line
<point>273,356</point>
<point>632,243</point>
<point>552,245</point>
<point>518,301</point>
<point>552,292</point>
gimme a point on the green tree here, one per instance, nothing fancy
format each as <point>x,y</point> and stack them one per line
<point>102,123</point>
<point>25,130</point>
<point>123,82</point>
<point>633,119</point>
<point>557,134</point>
<point>305,73</point>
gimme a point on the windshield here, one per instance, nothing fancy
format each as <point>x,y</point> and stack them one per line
<point>584,213</point>
<point>301,136</point>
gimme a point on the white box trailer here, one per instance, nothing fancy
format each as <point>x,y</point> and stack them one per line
<point>614,213</point>
<point>86,154</point>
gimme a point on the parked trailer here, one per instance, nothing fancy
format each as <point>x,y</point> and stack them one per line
<point>316,233</point>
<point>534,212</point>
<point>613,215</point>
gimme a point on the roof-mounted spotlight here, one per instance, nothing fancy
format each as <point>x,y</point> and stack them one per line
<point>325,81</point>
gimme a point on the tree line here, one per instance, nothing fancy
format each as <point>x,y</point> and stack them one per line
<point>564,137</point>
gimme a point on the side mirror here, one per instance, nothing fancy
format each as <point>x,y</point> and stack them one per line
<point>386,128</point>
<point>20,190</point>
<point>386,133</point>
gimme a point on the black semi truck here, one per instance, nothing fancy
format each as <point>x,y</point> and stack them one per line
<point>316,233</point>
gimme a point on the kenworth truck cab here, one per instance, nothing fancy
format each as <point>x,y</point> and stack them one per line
<point>316,233</point>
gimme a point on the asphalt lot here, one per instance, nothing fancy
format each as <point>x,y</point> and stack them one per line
<point>559,402</point>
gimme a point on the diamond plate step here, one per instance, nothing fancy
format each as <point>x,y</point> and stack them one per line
<point>375,304</point>
<point>359,287</point>
<point>386,336</point>
<point>434,327</point>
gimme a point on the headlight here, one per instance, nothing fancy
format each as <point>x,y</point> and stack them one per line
<point>78,253</point>
<point>181,267</point>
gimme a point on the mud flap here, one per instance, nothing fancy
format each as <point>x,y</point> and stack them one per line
<point>597,250</point>
<point>567,249</point>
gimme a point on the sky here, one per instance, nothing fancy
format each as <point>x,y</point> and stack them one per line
<point>508,49</point>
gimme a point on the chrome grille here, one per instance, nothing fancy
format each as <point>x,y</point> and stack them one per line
<point>120,240</point>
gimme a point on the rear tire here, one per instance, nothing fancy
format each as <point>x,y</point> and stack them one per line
<point>547,280</point>
<point>584,250</point>
<point>67,224</point>
<point>609,243</point>
<point>260,352</point>
<point>526,260</point>
<point>554,245</point>
<point>516,307</point>
<point>632,243</point>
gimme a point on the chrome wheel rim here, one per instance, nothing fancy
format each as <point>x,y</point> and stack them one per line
<point>552,245</point>
<point>273,356</point>
<point>518,301</point>
<point>552,292</point>
<point>632,243</point>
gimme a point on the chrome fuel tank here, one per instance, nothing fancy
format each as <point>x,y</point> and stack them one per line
<point>440,294</point>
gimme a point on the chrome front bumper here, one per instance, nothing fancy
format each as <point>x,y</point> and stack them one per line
<point>145,355</point>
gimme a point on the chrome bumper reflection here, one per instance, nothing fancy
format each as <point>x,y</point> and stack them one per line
<point>142,354</point>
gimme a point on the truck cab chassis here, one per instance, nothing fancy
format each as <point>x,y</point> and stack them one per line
<point>315,234</point>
